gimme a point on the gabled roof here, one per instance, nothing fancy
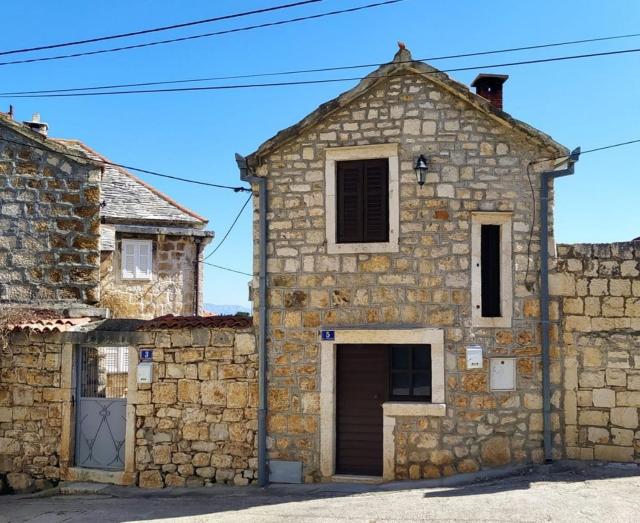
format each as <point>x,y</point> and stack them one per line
<point>128,199</point>
<point>403,64</point>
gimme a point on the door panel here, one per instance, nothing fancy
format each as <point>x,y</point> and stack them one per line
<point>101,387</point>
<point>362,381</point>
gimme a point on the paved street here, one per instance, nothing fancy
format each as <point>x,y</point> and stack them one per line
<point>599,494</point>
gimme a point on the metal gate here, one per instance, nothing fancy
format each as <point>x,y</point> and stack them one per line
<point>101,389</point>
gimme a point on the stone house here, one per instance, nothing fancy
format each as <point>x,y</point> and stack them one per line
<point>79,229</point>
<point>402,317</point>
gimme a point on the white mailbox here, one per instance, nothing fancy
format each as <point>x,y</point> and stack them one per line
<point>503,374</point>
<point>474,357</point>
<point>144,372</point>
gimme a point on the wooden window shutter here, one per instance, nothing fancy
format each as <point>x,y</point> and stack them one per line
<point>376,201</point>
<point>350,202</point>
<point>128,259</point>
<point>143,269</point>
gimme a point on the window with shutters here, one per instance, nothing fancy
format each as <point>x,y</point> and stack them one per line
<point>136,259</point>
<point>491,272</point>
<point>362,199</point>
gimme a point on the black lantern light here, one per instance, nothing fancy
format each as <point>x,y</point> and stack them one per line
<point>422,164</point>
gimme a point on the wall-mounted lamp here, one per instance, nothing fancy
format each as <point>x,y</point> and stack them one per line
<point>422,164</point>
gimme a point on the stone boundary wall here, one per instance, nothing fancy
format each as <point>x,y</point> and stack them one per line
<point>196,424</point>
<point>31,411</point>
<point>599,290</point>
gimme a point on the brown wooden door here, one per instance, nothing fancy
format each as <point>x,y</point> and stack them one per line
<point>362,382</point>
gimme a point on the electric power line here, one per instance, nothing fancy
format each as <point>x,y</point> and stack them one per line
<point>159,29</point>
<point>129,167</point>
<point>324,69</point>
<point>323,81</point>
<point>229,230</point>
<point>204,35</point>
<point>227,268</point>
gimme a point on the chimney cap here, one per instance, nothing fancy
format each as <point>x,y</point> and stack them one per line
<point>484,78</point>
<point>36,125</point>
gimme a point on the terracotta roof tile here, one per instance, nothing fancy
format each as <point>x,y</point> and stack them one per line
<point>50,325</point>
<point>193,322</point>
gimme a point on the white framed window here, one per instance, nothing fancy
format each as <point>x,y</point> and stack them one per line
<point>491,269</point>
<point>341,156</point>
<point>116,359</point>
<point>136,259</point>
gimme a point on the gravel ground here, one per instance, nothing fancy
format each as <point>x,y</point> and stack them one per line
<point>602,493</point>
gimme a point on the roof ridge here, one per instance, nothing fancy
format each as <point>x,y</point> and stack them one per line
<point>124,171</point>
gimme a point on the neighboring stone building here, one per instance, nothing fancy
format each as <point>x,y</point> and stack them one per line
<point>150,246</point>
<point>49,220</point>
<point>402,278</point>
<point>77,229</point>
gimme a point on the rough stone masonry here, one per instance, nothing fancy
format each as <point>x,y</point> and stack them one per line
<point>49,222</point>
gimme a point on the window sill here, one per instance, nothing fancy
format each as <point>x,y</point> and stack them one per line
<point>479,321</point>
<point>410,408</point>
<point>361,248</point>
<point>133,280</point>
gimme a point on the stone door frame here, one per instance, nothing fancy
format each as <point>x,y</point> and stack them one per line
<point>328,352</point>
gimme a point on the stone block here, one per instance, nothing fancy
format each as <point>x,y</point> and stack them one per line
<point>562,284</point>
<point>598,435</point>
<point>150,479</point>
<point>161,454</point>
<point>164,393</point>
<point>626,417</point>
<point>213,393</point>
<point>237,395</point>
<point>628,399</point>
<point>616,378</point>
<point>245,344</point>
<point>622,437</point>
<point>596,418</point>
<point>9,446</point>
<point>604,398</point>
<point>496,451</point>
<point>19,481</point>
<point>591,379</point>
<point>592,357</point>
<point>189,391</point>
<point>611,453</point>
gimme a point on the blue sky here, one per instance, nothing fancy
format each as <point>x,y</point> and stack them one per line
<point>590,102</point>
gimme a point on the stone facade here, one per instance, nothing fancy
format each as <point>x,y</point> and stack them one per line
<point>196,423</point>
<point>599,286</point>
<point>171,290</point>
<point>477,164</point>
<point>49,222</point>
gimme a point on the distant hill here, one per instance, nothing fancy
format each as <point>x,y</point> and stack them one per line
<point>225,310</point>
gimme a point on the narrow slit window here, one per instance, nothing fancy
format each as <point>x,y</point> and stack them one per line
<point>490,270</point>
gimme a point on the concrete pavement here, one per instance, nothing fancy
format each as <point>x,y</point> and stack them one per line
<point>594,493</point>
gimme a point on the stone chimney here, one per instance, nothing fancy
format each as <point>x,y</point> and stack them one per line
<point>489,86</point>
<point>36,125</point>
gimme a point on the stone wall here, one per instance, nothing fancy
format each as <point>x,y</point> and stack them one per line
<point>171,289</point>
<point>49,225</point>
<point>31,411</point>
<point>196,423</point>
<point>599,286</point>
<point>477,165</point>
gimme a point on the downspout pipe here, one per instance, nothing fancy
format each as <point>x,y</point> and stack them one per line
<point>247,176</point>
<point>545,178</point>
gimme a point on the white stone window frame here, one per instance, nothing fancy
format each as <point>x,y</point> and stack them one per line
<point>505,221</point>
<point>364,152</point>
<point>139,272</point>
<point>391,409</point>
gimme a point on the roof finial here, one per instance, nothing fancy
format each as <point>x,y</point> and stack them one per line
<point>403,54</point>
